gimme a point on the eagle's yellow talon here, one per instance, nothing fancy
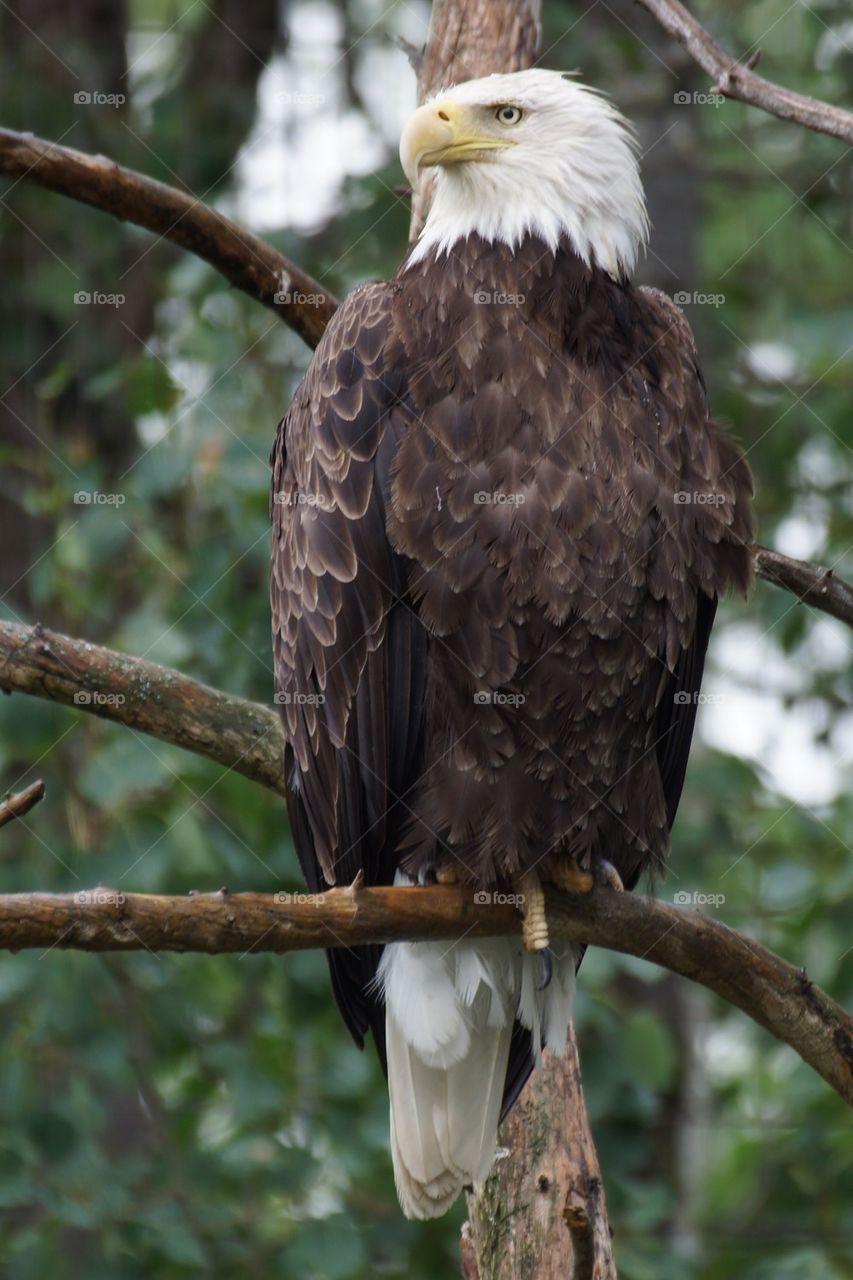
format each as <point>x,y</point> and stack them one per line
<point>534,921</point>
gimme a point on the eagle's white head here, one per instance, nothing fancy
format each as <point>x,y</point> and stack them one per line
<point>529,153</point>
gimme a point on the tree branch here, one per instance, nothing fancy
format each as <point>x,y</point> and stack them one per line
<point>775,994</point>
<point>736,79</point>
<point>241,735</point>
<point>15,806</point>
<point>247,262</point>
<point>814,585</point>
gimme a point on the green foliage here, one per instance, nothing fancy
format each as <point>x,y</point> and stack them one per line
<point>168,1116</point>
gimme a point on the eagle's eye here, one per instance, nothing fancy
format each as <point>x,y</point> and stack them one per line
<point>508,114</point>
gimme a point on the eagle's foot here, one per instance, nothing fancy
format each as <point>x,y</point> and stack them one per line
<point>570,877</point>
<point>534,922</point>
<point>606,875</point>
<point>447,873</point>
<point>573,878</point>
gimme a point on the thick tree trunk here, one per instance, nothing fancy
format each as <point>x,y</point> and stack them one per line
<point>541,1215</point>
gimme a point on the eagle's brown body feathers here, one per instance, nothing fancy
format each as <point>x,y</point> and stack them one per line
<point>542,526</point>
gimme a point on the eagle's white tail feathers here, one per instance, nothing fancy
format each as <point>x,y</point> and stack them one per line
<point>449,1018</point>
<point>444,1119</point>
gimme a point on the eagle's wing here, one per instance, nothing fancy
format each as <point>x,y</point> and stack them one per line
<point>684,385</point>
<point>349,651</point>
<point>676,715</point>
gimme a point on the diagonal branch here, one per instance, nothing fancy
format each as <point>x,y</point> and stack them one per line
<point>814,585</point>
<point>15,806</point>
<point>241,735</point>
<point>736,79</point>
<point>772,992</point>
<point>247,262</point>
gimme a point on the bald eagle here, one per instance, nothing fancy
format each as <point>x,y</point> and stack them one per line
<point>502,518</point>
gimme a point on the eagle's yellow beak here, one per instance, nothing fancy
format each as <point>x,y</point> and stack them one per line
<point>443,132</point>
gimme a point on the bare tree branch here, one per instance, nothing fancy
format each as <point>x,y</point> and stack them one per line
<point>736,79</point>
<point>241,735</point>
<point>247,262</point>
<point>15,806</point>
<point>814,585</point>
<point>772,992</point>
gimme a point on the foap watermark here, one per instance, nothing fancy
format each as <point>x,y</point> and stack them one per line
<point>300,98</point>
<point>497,298</point>
<point>100,897</point>
<point>296,298</point>
<point>97,298</point>
<point>286,899</point>
<point>698,99</point>
<point>482,498</point>
<point>485,898</point>
<point>684,498</point>
<point>684,298</point>
<point>95,498</point>
<point>685,699</point>
<point>96,98</point>
<point>494,698</point>
<point>297,498</point>
<point>96,698</point>
<point>286,699</point>
<point>694,898</point>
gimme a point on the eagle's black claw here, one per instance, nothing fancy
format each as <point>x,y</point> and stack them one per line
<point>547,968</point>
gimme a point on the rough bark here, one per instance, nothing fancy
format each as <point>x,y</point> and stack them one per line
<point>241,735</point>
<point>813,584</point>
<point>16,805</point>
<point>551,1188</point>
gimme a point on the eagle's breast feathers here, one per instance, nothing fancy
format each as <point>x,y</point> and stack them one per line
<point>511,454</point>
